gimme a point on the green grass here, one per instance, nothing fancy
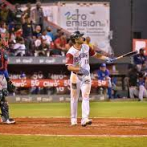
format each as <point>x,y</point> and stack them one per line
<point>98,109</point>
<point>36,141</point>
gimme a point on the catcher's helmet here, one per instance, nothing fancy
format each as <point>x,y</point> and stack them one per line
<point>76,35</point>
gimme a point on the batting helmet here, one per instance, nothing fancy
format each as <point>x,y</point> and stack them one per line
<point>76,35</point>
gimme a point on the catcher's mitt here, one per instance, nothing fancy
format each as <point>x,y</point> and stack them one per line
<point>10,86</point>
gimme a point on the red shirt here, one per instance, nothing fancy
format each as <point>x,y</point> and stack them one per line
<point>61,42</point>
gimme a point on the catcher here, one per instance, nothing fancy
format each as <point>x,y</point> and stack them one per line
<point>5,86</point>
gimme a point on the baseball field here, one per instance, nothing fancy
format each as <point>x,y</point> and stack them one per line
<point>115,124</point>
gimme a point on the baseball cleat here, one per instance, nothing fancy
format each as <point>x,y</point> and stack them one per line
<point>86,122</point>
<point>8,121</point>
<point>73,122</point>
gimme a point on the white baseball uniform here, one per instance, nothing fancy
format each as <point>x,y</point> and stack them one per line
<point>78,81</point>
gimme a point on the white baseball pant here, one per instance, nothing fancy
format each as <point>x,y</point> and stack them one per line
<point>142,92</point>
<point>133,91</point>
<point>80,83</point>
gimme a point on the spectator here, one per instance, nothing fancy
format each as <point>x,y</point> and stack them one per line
<point>19,32</point>
<point>27,28</point>
<point>38,46</point>
<point>4,34</point>
<point>132,82</point>
<point>58,33</point>
<point>60,46</point>
<point>3,28</point>
<point>6,14</point>
<point>37,15</point>
<point>49,33</point>
<point>140,60</point>
<point>19,47</point>
<point>27,12</point>
<point>37,31</point>
<point>18,14</point>
<point>12,36</point>
<point>104,75</point>
<point>46,41</point>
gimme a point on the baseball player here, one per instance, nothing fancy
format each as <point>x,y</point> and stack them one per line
<point>4,80</point>
<point>140,59</point>
<point>104,74</point>
<point>77,61</point>
<point>132,81</point>
<point>142,93</point>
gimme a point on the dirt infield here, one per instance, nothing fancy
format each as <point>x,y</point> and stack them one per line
<point>61,126</point>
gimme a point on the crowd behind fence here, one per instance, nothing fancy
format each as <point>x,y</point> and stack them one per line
<point>23,33</point>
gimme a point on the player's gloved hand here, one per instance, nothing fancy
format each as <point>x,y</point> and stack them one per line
<point>84,71</point>
<point>10,86</point>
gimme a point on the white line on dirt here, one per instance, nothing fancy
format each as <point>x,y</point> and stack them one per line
<point>59,117</point>
<point>49,135</point>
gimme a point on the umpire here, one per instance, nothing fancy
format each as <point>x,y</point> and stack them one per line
<point>4,84</point>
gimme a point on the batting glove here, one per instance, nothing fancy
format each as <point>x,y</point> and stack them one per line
<point>84,71</point>
<point>110,60</point>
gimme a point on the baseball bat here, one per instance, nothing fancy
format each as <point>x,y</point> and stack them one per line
<point>126,55</point>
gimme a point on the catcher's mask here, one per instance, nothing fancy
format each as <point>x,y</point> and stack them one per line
<point>75,35</point>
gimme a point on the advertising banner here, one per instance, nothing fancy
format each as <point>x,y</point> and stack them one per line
<point>93,19</point>
<point>51,83</point>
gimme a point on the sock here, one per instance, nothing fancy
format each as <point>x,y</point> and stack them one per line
<point>85,108</point>
<point>110,92</point>
<point>74,105</point>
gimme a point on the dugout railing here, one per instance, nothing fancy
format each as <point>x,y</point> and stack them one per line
<point>56,66</point>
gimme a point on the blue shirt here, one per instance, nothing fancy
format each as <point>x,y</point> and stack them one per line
<point>138,59</point>
<point>51,35</point>
<point>102,75</point>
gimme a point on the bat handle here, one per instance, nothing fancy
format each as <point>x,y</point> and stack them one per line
<point>119,57</point>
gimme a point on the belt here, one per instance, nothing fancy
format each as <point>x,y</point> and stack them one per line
<point>79,74</point>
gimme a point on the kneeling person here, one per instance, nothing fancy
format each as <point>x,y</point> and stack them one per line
<point>104,75</point>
